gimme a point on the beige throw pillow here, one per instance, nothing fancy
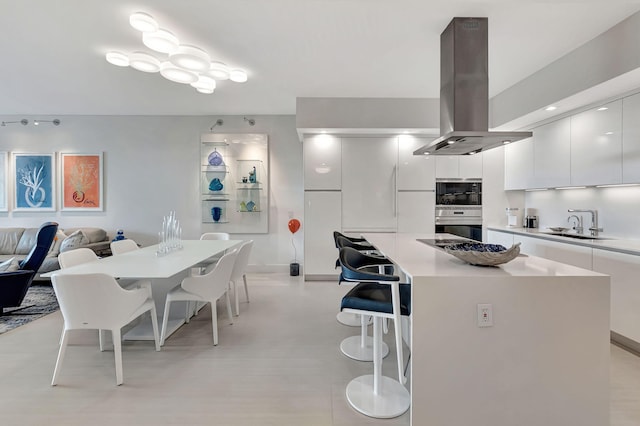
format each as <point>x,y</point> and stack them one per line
<point>74,241</point>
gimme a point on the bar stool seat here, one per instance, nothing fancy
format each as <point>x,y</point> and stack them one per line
<point>382,297</point>
<point>360,347</point>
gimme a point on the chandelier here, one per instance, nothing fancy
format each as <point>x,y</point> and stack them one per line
<point>181,63</point>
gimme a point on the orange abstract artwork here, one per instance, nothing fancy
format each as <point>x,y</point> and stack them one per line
<point>81,181</point>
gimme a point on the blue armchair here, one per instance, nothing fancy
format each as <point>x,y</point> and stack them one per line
<point>14,285</point>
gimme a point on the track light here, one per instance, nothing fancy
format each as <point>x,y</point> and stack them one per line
<point>24,122</point>
<point>251,121</point>
<point>55,122</point>
<point>218,122</point>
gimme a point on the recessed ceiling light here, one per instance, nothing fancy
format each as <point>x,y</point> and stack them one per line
<point>237,75</point>
<point>117,58</point>
<point>143,22</point>
<point>451,142</point>
<point>144,62</point>
<point>162,41</point>
<point>506,142</point>
<point>603,109</point>
<point>551,108</point>
<point>608,133</point>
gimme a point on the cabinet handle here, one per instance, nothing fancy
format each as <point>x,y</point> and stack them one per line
<point>395,191</point>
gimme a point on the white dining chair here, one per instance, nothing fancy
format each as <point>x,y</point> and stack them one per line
<point>77,256</point>
<point>239,272</point>
<point>96,301</point>
<point>123,246</point>
<point>215,236</point>
<point>208,288</point>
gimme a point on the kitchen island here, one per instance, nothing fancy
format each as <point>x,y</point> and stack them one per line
<point>543,361</point>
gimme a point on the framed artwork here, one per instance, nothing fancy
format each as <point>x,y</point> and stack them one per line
<point>4,193</point>
<point>81,181</point>
<point>33,182</point>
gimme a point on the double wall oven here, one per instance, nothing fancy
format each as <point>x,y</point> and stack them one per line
<point>459,207</point>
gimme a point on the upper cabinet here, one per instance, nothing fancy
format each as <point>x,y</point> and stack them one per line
<point>518,164</point>
<point>552,154</point>
<point>415,172</point>
<point>596,145</point>
<point>631,139</point>
<point>322,162</point>
<point>458,166</point>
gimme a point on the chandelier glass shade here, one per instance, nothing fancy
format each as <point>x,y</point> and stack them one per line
<point>162,41</point>
<point>118,59</point>
<point>177,74</point>
<point>180,63</point>
<point>190,57</point>
<point>144,62</point>
<point>143,22</point>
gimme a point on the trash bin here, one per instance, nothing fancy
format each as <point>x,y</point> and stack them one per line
<point>294,269</point>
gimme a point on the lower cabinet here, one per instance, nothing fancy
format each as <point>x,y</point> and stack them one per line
<point>625,290</point>
<point>503,238</point>
<point>322,216</point>
<point>569,254</point>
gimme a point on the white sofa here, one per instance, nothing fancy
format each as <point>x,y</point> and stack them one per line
<point>17,243</point>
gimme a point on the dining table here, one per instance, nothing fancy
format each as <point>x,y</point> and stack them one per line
<point>165,270</point>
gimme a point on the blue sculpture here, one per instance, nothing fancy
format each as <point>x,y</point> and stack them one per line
<point>215,185</point>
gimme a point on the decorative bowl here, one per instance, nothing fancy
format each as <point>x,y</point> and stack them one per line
<point>483,254</point>
<point>558,228</point>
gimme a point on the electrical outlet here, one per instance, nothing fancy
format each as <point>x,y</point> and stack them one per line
<point>485,315</point>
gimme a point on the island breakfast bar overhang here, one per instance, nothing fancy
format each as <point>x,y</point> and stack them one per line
<point>545,360</point>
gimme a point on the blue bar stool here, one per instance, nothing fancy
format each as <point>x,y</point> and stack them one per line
<point>381,296</point>
<point>360,347</point>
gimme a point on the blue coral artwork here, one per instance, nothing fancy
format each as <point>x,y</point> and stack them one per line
<point>33,182</point>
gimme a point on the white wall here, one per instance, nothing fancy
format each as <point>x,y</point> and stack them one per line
<point>618,208</point>
<point>152,167</point>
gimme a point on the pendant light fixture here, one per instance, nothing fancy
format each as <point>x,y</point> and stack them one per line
<point>180,63</point>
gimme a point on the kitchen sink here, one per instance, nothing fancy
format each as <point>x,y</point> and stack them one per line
<point>574,236</point>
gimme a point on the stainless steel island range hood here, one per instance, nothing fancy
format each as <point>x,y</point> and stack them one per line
<point>464,92</point>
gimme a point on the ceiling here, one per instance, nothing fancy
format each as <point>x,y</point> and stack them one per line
<point>53,51</point>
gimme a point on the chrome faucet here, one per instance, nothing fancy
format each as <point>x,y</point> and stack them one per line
<point>594,220</point>
<point>579,228</point>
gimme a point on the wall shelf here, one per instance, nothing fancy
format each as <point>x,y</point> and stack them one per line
<point>244,177</point>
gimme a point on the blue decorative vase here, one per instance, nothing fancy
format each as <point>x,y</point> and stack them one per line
<point>215,159</point>
<point>250,206</point>
<point>215,185</point>
<point>216,213</point>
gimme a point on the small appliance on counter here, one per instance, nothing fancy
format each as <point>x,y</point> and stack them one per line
<point>514,217</point>
<point>530,220</point>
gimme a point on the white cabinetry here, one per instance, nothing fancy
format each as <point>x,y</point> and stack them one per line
<point>631,139</point>
<point>369,184</point>
<point>322,216</point>
<point>518,165</point>
<point>596,145</point>
<point>458,166</point>
<point>415,172</point>
<point>625,290</point>
<point>322,162</point>
<point>552,154</point>
<point>416,211</point>
<point>503,238</point>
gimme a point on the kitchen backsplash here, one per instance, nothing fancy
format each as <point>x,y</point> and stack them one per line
<point>618,208</point>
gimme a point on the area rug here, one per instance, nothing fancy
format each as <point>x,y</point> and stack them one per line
<point>44,302</point>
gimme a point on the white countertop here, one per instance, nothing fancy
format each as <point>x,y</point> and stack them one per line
<point>603,243</point>
<point>419,259</point>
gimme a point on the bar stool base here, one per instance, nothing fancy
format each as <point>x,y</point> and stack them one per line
<point>352,320</point>
<point>392,401</point>
<point>352,347</point>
